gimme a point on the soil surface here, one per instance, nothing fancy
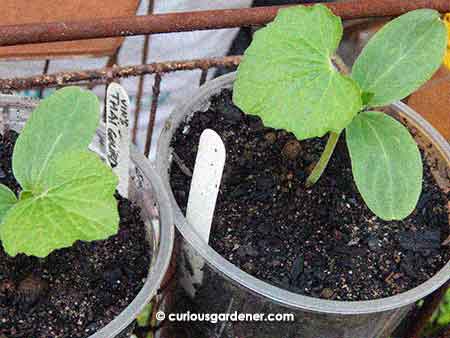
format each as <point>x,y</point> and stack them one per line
<point>73,292</point>
<point>322,241</point>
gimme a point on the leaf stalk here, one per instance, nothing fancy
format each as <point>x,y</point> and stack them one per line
<point>324,159</point>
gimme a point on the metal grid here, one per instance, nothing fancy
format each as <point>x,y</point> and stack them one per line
<point>179,22</point>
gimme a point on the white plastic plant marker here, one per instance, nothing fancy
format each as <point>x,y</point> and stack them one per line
<point>205,184</point>
<point>118,134</point>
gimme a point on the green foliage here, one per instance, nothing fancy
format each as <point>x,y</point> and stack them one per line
<point>68,192</point>
<point>288,79</point>
<point>381,152</point>
<point>366,97</point>
<point>7,200</point>
<point>440,319</point>
<point>443,315</point>
<point>145,317</point>
<point>401,57</point>
<point>64,121</point>
<point>75,202</point>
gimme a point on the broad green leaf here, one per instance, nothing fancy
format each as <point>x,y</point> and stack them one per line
<point>386,164</point>
<point>288,79</point>
<point>401,57</point>
<point>76,203</point>
<point>64,121</point>
<point>7,200</point>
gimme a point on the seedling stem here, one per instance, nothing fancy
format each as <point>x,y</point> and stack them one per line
<point>324,159</point>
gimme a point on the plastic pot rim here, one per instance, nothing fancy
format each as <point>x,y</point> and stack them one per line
<point>200,101</point>
<point>158,271</point>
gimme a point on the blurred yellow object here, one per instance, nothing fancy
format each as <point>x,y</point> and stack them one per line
<point>447,55</point>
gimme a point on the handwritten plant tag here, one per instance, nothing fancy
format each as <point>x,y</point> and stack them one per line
<point>118,134</point>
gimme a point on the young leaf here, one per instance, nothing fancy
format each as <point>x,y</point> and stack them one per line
<point>386,164</point>
<point>402,56</point>
<point>288,79</point>
<point>7,200</point>
<point>64,121</point>
<point>366,97</point>
<point>76,203</point>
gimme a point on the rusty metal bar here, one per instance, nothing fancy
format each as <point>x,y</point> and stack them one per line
<point>152,116</point>
<point>199,20</point>
<point>114,59</point>
<point>104,74</point>
<point>86,84</point>
<point>422,317</point>
<point>203,76</point>
<point>140,92</point>
<point>44,72</point>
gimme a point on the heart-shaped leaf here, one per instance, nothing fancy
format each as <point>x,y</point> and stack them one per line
<point>401,57</point>
<point>288,79</point>
<point>76,202</point>
<point>386,164</point>
<point>64,121</point>
<point>7,200</point>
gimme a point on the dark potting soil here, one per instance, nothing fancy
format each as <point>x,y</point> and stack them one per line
<point>73,292</point>
<point>321,241</point>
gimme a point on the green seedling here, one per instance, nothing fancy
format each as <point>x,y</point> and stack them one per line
<point>67,191</point>
<point>290,77</point>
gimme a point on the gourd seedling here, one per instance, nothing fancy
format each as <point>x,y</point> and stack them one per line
<point>67,191</point>
<point>288,77</point>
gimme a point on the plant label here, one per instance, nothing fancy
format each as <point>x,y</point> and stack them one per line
<point>206,182</point>
<point>118,134</point>
<point>205,185</point>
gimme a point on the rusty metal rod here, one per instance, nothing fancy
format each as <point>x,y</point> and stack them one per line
<point>44,72</point>
<point>140,91</point>
<point>109,73</point>
<point>203,77</point>
<point>152,115</point>
<point>199,20</point>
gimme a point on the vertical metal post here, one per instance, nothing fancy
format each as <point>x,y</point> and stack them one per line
<point>140,91</point>
<point>152,116</point>
<point>44,72</point>
<point>203,76</point>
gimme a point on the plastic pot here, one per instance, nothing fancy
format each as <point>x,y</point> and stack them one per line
<point>225,288</point>
<point>146,190</point>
